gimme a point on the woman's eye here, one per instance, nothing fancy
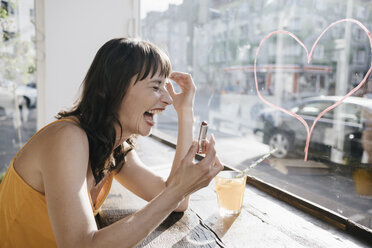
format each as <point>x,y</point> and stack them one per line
<point>156,88</point>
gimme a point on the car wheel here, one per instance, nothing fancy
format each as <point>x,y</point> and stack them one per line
<point>281,142</point>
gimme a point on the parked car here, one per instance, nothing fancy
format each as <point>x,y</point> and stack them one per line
<point>26,96</point>
<point>29,93</point>
<point>339,130</point>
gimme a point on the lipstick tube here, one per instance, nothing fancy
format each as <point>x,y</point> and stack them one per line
<point>202,137</point>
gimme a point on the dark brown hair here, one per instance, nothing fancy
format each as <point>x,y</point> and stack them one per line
<point>104,87</point>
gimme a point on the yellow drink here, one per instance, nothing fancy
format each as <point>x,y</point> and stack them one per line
<point>230,192</point>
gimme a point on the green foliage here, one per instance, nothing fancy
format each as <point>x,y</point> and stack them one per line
<point>3,13</point>
<point>17,65</point>
<point>17,57</point>
<point>3,20</point>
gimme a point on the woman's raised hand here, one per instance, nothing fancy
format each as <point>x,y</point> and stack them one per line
<point>184,100</point>
<point>191,176</point>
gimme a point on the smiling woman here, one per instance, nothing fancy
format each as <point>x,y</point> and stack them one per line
<point>57,182</point>
<point>110,99</point>
<point>154,97</point>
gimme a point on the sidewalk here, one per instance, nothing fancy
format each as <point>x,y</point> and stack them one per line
<point>9,139</point>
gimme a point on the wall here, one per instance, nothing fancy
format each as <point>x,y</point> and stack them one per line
<point>68,35</point>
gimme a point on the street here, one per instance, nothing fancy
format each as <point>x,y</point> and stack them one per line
<point>9,144</point>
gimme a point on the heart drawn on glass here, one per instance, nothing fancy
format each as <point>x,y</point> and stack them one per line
<point>309,57</point>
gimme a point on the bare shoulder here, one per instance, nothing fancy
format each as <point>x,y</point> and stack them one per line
<point>64,141</point>
<point>65,157</point>
<point>65,131</point>
<point>52,151</point>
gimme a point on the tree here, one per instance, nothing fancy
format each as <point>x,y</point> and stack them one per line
<point>17,57</point>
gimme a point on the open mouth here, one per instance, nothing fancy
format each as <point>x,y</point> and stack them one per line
<point>149,116</point>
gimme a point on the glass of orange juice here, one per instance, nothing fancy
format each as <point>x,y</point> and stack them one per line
<point>230,186</point>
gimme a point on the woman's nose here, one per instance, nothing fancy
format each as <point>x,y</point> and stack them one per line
<point>165,97</point>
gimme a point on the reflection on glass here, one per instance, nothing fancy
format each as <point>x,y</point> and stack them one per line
<point>18,91</point>
<point>216,41</point>
<point>363,176</point>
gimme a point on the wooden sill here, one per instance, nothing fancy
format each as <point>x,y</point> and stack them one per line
<point>324,214</point>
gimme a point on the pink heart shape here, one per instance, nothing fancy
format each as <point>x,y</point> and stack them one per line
<point>309,131</point>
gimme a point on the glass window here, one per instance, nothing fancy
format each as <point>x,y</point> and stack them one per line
<point>314,108</point>
<point>352,113</point>
<point>18,91</point>
<point>216,41</point>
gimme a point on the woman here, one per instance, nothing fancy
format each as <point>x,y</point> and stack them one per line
<point>59,179</point>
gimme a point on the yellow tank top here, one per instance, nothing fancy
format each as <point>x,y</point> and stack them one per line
<point>24,220</point>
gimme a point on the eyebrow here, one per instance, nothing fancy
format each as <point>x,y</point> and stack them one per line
<point>158,81</point>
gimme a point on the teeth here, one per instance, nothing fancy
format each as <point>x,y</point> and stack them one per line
<point>155,111</point>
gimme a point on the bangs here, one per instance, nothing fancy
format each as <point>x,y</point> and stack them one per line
<point>153,60</point>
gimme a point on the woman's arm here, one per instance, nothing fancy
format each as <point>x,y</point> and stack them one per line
<point>183,103</point>
<point>138,178</point>
<point>132,229</point>
<point>64,169</point>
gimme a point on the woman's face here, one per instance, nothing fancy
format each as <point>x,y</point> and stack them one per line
<point>143,100</point>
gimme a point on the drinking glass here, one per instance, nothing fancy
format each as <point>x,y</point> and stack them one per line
<point>230,186</point>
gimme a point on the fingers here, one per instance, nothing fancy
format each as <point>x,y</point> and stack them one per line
<point>211,151</point>
<point>204,146</point>
<point>218,166</point>
<point>192,151</point>
<point>183,79</point>
<point>180,75</point>
<point>211,163</point>
<point>170,89</point>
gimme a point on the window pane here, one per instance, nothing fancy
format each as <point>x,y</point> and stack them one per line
<point>217,41</point>
<point>18,91</point>
<point>314,108</point>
